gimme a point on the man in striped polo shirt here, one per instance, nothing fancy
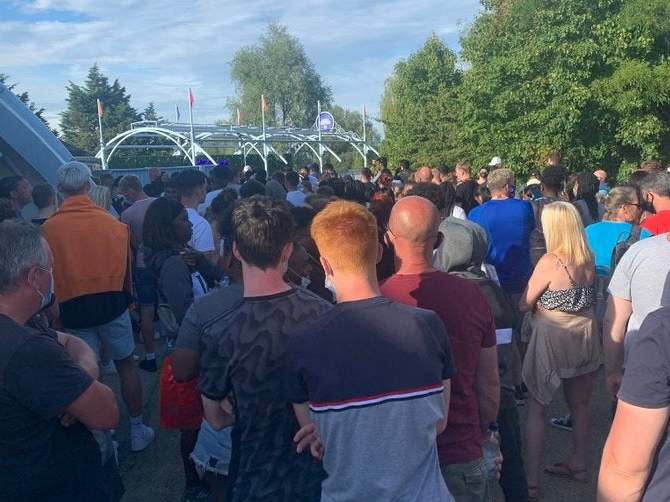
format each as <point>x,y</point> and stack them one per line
<point>370,377</point>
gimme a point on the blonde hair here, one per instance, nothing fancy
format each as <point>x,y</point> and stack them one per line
<point>346,235</point>
<point>618,197</point>
<point>102,196</point>
<point>564,233</point>
<point>499,178</point>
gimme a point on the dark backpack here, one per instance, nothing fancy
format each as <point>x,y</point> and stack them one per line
<point>623,246</point>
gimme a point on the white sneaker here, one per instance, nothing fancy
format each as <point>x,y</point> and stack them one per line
<point>141,436</point>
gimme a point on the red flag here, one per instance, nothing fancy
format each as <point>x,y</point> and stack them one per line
<point>101,110</point>
<point>191,98</point>
<point>265,103</point>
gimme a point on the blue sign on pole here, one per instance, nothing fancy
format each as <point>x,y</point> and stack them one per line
<point>326,121</point>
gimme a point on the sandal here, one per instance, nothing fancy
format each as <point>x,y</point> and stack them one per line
<point>563,470</point>
<point>533,493</point>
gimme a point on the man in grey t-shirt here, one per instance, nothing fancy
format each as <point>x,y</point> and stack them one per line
<point>640,284</point>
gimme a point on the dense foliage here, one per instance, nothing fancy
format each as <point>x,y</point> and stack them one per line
<point>418,105</point>
<point>589,77</point>
<point>79,122</point>
<point>278,68</point>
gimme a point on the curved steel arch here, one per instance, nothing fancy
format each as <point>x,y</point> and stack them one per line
<point>244,137</point>
<point>171,136</point>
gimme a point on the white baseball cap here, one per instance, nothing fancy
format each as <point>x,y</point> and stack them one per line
<point>495,161</point>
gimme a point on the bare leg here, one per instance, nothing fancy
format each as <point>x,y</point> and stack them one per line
<point>578,395</point>
<point>218,486</point>
<point>534,440</point>
<point>131,386</point>
<point>187,440</point>
<point>147,327</point>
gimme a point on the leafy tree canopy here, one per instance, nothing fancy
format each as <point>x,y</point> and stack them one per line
<point>418,105</point>
<point>278,68</point>
<point>79,122</point>
<point>588,77</point>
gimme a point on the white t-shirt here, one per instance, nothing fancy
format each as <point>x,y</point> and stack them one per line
<point>203,237</point>
<point>202,208</point>
<point>296,198</point>
<point>459,212</point>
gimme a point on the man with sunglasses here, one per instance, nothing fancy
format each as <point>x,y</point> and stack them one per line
<point>465,312</point>
<point>656,198</point>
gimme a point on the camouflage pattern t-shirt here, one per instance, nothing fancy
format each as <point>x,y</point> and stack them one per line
<point>246,358</point>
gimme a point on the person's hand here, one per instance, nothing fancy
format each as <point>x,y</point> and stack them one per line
<point>613,383</point>
<point>308,436</point>
<point>66,420</point>
<point>191,257</point>
<point>499,463</point>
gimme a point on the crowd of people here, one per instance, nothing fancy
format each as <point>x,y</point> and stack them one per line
<point>331,337</point>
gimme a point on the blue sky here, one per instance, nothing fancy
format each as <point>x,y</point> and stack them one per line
<point>159,48</point>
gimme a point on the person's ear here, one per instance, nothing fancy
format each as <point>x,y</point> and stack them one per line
<point>287,252</point>
<point>31,277</point>
<point>236,252</point>
<point>327,269</point>
<point>380,252</point>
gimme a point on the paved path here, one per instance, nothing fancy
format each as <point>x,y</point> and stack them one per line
<point>156,474</point>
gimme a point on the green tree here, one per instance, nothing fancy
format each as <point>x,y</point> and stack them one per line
<point>79,122</point>
<point>278,68</point>
<point>150,113</point>
<point>589,77</point>
<point>25,99</point>
<point>418,106</point>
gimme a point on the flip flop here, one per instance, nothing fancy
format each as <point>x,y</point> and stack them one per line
<point>563,470</point>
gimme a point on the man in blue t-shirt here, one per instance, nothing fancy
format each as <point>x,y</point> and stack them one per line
<point>508,223</point>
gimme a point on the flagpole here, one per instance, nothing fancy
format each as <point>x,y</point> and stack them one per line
<point>102,141</point>
<point>318,124</point>
<point>265,152</point>
<point>365,142</point>
<point>190,119</point>
<point>176,113</point>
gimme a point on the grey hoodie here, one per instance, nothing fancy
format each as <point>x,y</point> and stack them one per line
<point>462,251</point>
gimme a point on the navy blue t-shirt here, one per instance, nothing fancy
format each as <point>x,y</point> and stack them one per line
<point>40,460</point>
<point>372,372</point>
<point>508,224</point>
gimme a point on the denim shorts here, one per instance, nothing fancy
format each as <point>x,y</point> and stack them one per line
<point>145,286</point>
<point>117,335</point>
<point>212,450</point>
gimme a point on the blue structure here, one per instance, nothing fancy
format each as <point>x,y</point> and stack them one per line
<point>27,147</point>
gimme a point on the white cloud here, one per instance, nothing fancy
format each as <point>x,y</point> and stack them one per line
<point>158,48</point>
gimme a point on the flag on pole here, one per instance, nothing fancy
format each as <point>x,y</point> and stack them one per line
<point>177,114</point>
<point>239,117</point>
<point>191,98</point>
<point>101,110</point>
<point>265,103</point>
